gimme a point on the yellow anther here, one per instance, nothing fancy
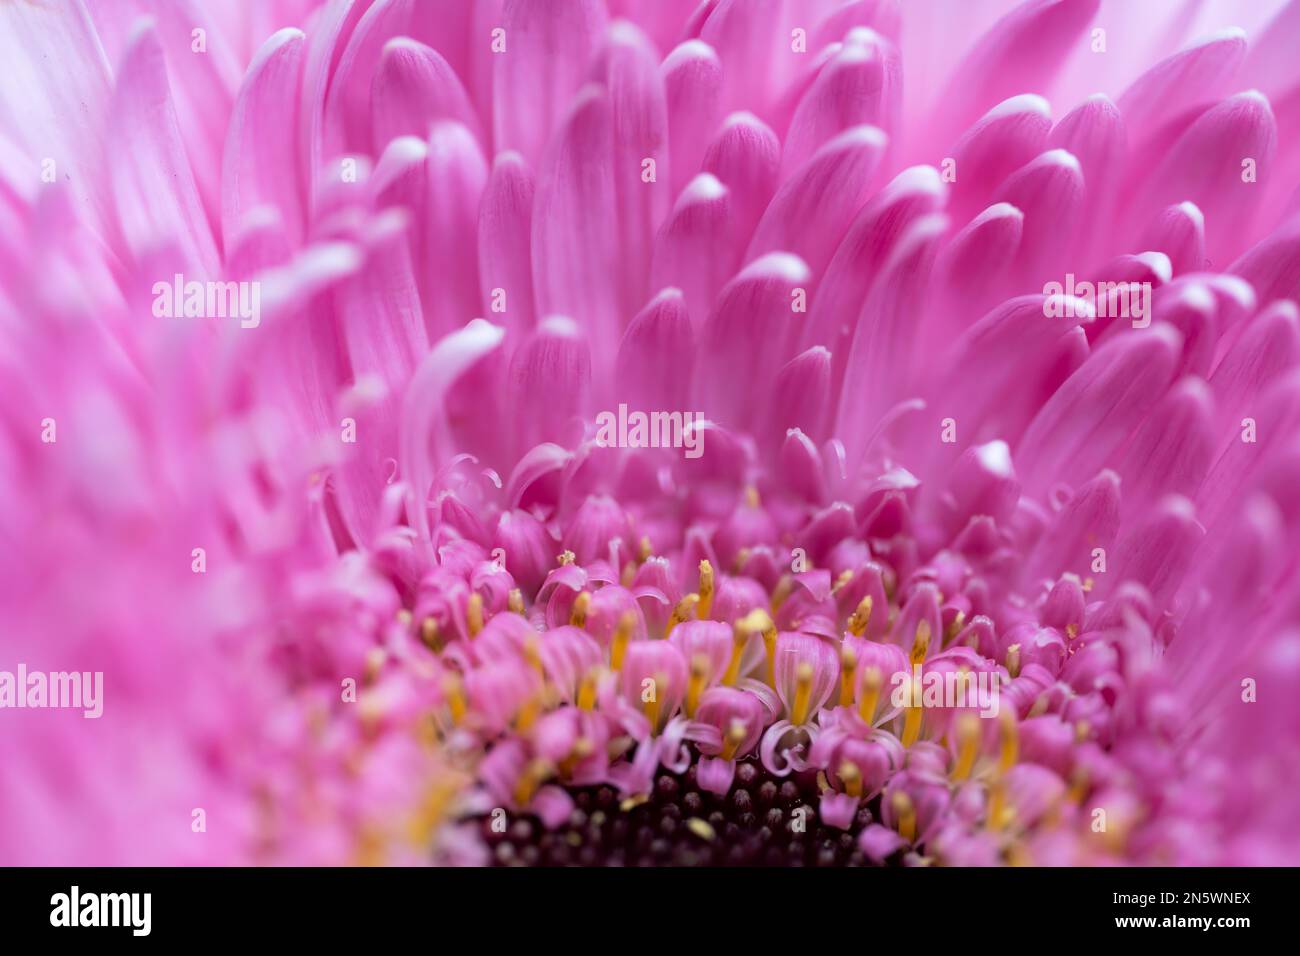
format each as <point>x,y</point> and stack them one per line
<point>581,605</point>
<point>534,775</point>
<point>706,590</point>
<point>803,678</point>
<point>565,557</point>
<point>699,678</point>
<point>759,620</point>
<point>958,622</point>
<point>912,714</point>
<point>921,644</point>
<point>968,741</point>
<point>376,657</point>
<point>751,497</point>
<point>1078,785</point>
<point>861,617</point>
<point>842,581</point>
<point>622,634</point>
<point>848,669</point>
<point>781,592</point>
<point>474,614</point>
<point>998,812</point>
<point>1008,741</point>
<point>905,813</point>
<point>739,638</point>
<point>1013,660</point>
<point>652,705</point>
<point>851,777</point>
<point>429,635</point>
<point>582,748</point>
<point>734,737</point>
<point>646,550</point>
<point>587,689</point>
<point>454,688</point>
<point>533,653</point>
<point>515,601</point>
<point>529,712</point>
<point>682,612</point>
<point>872,681</point>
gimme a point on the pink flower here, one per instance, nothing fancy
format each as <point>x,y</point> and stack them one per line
<point>316,316</point>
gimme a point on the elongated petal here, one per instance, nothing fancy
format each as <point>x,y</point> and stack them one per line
<point>657,355</point>
<point>696,250</point>
<point>574,240</point>
<point>547,52</point>
<point>413,86</point>
<point>155,194</point>
<point>261,164</point>
<point>745,156</point>
<point>692,76</point>
<point>1098,406</point>
<point>505,243</point>
<point>812,210</point>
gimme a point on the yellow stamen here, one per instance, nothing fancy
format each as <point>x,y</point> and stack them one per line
<point>1013,660</point>
<point>1009,741</point>
<point>751,497</point>
<point>781,592</point>
<point>1078,785</point>
<point>860,618</point>
<point>759,620</point>
<point>872,681</point>
<point>582,749</point>
<point>848,668</point>
<point>851,777</point>
<point>622,634</point>
<point>741,559</point>
<point>803,677</point>
<point>474,614</point>
<point>682,611</point>
<point>699,677</point>
<point>912,715</point>
<point>958,622</point>
<point>628,575</point>
<point>515,601</point>
<point>706,590</point>
<point>565,557</point>
<point>739,638</point>
<point>921,644</point>
<point>429,635</point>
<point>587,689</point>
<point>537,772</point>
<point>842,581</point>
<point>581,605</point>
<point>646,550</point>
<point>455,691</point>
<point>529,712</point>
<point>652,705</point>
<point>968,739</point>
<point>998,810</point>
<point>906,814</point>
<point>734,738</point>
<point>376,657</point>
<point>533,653</point>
